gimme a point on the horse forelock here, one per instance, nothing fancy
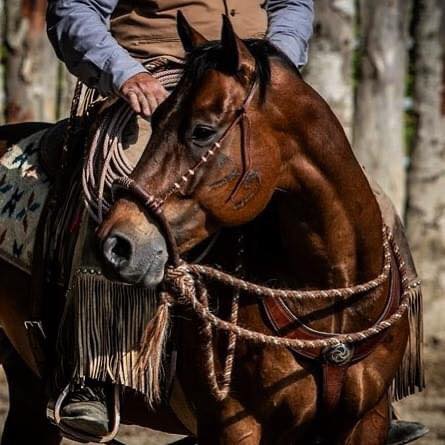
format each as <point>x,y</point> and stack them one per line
<point>210,56</point>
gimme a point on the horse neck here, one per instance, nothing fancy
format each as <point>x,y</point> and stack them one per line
<point>330,221</point>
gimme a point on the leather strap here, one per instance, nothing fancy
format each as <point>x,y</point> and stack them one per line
<point>286,324</point>
<point>332,386</point>
<point>245,149</point>
<point>35,326</point>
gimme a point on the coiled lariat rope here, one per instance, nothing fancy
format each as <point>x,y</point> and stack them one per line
<point>106,165</point>
<point>106,160</point>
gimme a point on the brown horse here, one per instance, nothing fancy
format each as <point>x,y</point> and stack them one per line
<point>310,221</point>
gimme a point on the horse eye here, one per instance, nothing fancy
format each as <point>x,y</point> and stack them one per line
<point>202,133</point>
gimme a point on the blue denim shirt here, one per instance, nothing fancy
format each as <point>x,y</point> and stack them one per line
<point>79,32</point>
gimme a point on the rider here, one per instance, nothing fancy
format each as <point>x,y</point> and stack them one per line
<point>109,57</point>
<point>105,42</point>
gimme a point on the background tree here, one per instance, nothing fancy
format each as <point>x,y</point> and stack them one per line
<point>378,124</point>
<point>330,66</point>
<point>425,216</point>
<point>67,84</point>
<point>31,67</point>
<point>2,74</point>
<point>426,186</point>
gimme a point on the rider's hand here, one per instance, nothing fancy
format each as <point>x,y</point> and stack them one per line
<point>144,93</point>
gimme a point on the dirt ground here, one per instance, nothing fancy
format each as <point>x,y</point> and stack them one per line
<point>428,407</point>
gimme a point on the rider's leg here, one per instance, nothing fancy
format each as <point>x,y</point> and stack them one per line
<point>88,409</point>
<point>26,422</point>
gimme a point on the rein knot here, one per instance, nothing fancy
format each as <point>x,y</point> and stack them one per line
<point>182,283</point>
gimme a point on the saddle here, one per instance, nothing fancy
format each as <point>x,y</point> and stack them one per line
<point>10,134</point>
<point>53,141</point>
<point>52,146</point>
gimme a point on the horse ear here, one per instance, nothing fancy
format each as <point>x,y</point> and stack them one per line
<point>237,56</point>
<point>190,38</point>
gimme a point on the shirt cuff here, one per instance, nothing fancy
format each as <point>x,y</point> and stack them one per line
<point>117,70</point>
<point>294,47</point>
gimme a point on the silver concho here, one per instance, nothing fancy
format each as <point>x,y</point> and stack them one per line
<point>339,354</point>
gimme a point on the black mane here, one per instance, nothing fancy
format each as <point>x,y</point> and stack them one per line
<point>210,56</point>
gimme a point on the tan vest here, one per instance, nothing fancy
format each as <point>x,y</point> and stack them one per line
<point>147,28</point>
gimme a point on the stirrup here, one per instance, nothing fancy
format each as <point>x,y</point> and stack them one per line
<point>53,414</point>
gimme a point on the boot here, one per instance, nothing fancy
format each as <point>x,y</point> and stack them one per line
<point>402,432</point>
<point>86,410</point>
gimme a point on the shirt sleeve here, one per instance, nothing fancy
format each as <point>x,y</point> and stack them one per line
<point>79,33</point>
<point>290,27</point>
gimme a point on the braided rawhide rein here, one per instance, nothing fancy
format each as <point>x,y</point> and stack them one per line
<point>186,288</point>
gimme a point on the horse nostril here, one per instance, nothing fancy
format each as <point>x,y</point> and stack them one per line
<point>117,251</point>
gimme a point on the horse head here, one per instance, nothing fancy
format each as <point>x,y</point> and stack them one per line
<point>221,103</point>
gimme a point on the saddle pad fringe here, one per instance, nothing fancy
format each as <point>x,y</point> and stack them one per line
<point>410,377</point>
<point>104,324</point>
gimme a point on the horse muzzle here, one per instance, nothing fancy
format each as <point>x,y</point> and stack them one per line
<point>134,256</point>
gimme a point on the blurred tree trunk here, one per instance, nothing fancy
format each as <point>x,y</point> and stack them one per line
<point>426,186</point>
<point>2,74</point>
<point>67,86</point>
<point>379,118</point>
<point>329,69</point>
<point>31,70</point>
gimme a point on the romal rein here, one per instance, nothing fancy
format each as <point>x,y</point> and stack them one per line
<point>154,205</point>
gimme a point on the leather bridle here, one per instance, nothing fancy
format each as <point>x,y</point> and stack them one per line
<point>153,205</point>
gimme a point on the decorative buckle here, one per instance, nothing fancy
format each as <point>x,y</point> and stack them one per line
<point>32,324</point>
<point>338,355</point>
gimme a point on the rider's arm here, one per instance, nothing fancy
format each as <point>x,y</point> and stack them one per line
<point>78,30</point>
<point>290,27</point>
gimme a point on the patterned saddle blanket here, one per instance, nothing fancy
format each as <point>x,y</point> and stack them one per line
<point>24,188</point>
